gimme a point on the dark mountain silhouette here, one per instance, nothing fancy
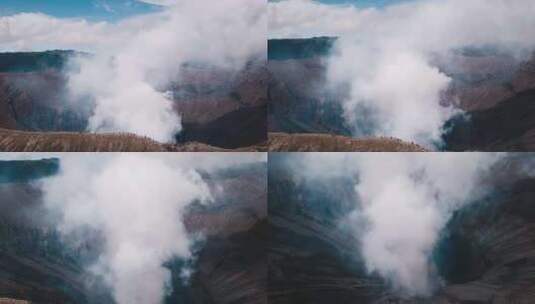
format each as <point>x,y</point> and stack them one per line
<point>284,49</point>
<point>24,62</point>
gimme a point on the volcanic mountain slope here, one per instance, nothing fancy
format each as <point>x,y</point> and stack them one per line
<point>301,107</point>
<point>20,141</point>
<point>493,88</point>
<point>280,142</point>
<point>218,107</point>
<point>499,104</point>
<point>230,267</point>
<point>486,253</point>
<point>284,49</point>
<point>222,108</point>
<point>34,266</point>
<point>298,100</point>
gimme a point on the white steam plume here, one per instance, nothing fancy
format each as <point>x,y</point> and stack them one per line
<point>405,200</point>
<point>385,55</point>
<point>135,59</point>
<point>124,83</point>
<point>136,203</point>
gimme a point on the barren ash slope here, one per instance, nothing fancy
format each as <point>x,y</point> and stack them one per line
<point>40,265</point>
<point>484,253</point>
<point>220,110</point>
<point>492,88</point>
<point>314,142</point>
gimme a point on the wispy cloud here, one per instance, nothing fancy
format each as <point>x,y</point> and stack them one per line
<point>103,4</point>
<point>159,2</point>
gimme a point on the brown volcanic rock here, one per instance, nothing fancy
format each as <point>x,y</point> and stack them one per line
<point>25,274</point>
<point>281,142</point>
<point>213,104</point>
<point>508,126</point>
<point>298,100</point>
<point>301,75</point>
<point>482,82</point>
<point>35,101</point>
<point>21,141</point>
<point>12,301</point>
<point>499,107</point>
<point>247,193</point>
<point>38,101</point>
<point>227,109</point>
<point>200,91</point>
<point>244,127</point>
<point>34,87</point>
<point>232,266</point>
<point>209,93</point>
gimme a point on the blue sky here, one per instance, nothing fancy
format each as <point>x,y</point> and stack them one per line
<point>95,10</point>
<point>112,10</point>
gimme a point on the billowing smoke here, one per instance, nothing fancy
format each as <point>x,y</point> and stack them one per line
<point>126,83</point>
<point>134,61</point>
<point>385,56</point>
<point>404,202</point>
<point>135,204</point>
